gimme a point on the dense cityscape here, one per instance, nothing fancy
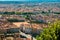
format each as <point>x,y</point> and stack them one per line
<point>26,21</point>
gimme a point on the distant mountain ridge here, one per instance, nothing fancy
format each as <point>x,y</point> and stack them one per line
<point>17,2</point>
<point>20,2</point>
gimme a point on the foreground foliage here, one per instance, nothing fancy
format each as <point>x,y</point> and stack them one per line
<point>50,33</point>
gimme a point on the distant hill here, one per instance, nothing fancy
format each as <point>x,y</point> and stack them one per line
<point>21,2</point>
<point>18,2</point>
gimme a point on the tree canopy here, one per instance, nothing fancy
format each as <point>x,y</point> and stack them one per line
<point>50,33</point>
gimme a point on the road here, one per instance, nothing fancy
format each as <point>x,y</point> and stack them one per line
<point>27,35</point>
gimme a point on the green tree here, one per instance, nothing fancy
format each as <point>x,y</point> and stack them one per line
<point>50,33</point>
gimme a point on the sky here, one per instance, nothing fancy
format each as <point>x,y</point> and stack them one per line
<point>30,0</point>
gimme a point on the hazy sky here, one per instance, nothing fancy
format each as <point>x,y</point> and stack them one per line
<point>28,0</point>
